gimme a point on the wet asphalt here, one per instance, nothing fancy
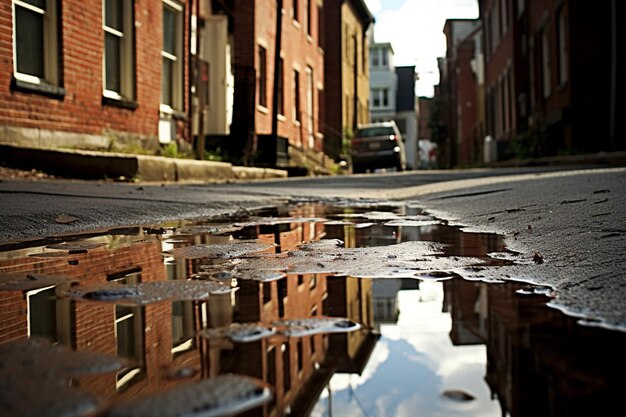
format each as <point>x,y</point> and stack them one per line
<point>569,225</point>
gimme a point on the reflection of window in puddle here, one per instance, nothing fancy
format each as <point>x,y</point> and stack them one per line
<point>183,317</point>
<point>50,316</point>
<point>271,373</point>
<point>286,367</point>
<point>129,334</point>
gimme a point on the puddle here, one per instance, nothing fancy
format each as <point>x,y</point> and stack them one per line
<point>362,309</point>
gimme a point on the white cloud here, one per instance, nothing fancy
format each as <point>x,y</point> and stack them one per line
<point>415,30</point>
<point>374,6</point>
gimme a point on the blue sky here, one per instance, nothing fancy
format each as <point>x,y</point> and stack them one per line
<point>415,30</point>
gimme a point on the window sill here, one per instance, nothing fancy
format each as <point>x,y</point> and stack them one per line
<point>262,109</point>
<point>309,38</point>
<point>121,102</point>
<point>166,110</point>
<point>281,117</point>
<point>295,24</point>
<point>52,91</point>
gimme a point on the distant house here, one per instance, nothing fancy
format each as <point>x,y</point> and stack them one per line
<point>406,112</point>
<point>393,96</point>
<point>346,71</point>
<point>383,82</point>
<point>293,92</point>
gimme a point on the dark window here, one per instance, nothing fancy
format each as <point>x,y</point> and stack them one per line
<point>286,367</point>
<point>309,17</point>
<point>262,76</point>
<point>281,100</point>
<point>296,95</point>
<point>320,26</point>
<point>296,11</point>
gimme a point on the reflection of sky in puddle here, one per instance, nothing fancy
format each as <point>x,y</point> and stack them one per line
<point>412,364</point>
<point>435,336</point>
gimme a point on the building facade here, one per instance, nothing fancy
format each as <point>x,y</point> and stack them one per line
<point>406,112</point>
<point>346,72</point>
<point>383,83</point>
<point>75,86</point>
<point>287,87</point>
<point>531,79</point>
<point>551,76</point>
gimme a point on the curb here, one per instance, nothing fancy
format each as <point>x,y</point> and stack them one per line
<point>94,165</point>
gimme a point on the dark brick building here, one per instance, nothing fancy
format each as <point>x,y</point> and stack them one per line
<point>551,76</point>
<point>551,83</point>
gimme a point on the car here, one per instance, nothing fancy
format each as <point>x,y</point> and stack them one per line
<point>378,145</point>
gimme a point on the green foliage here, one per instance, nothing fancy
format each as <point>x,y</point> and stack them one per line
<point>529,144</point>
<point>171,151</point>
<point>213,156</point>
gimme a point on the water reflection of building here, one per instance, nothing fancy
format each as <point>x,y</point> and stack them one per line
<point>127,331</point>
<point>161,339</point>
<point>539,361</point>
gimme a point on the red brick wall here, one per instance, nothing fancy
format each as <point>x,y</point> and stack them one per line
<point>95,322</point>
<point>466,100</point>
<point>299,51</point>
<point>81,53</point>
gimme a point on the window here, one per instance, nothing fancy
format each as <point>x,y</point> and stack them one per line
<point>376,98</point>
<point>309,17</point>
<point>118,49</point>
<point>504,12</point>
<point>172,82</point>
<point>35,41</point>
<point>296,95</point>
<point>375,57</point>
<point>286,367</point>
<point>545,62</point>
<point>281,100</point>
<point>129,333</point>
<point>385,93</point>
<point>320,26</point>
<point>296,11</point>
<point>384,56</point>
<point>562,47</point>
<point>320,110</point>
<point>50,316</point>
<point>262,76</point>
<point>309,106</point>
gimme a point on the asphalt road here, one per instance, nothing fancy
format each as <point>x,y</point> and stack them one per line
<point>569,226</point>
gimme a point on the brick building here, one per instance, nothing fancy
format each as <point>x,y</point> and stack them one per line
<point>346,71</point>
<point>458,95</point>
<point>92,74</point>
<point>550,82</point>
<point>300,84</point>
<point>551,76</point>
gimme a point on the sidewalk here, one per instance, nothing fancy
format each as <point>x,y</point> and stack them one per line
<point>79,164</point>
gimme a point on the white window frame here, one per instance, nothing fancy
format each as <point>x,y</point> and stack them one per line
<point>127,61</point>
<point>50,44</point>
<point>177,74</point>
<point>376,98</point>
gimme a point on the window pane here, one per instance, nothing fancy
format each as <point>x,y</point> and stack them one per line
<point>169,30</point>
<point>112,63</point>
<point>29,42</point>
<point>42,314</point>
<point>113,14</point>
<point>262,77</point>
<point>37,3</point>
<point>167,82</point>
